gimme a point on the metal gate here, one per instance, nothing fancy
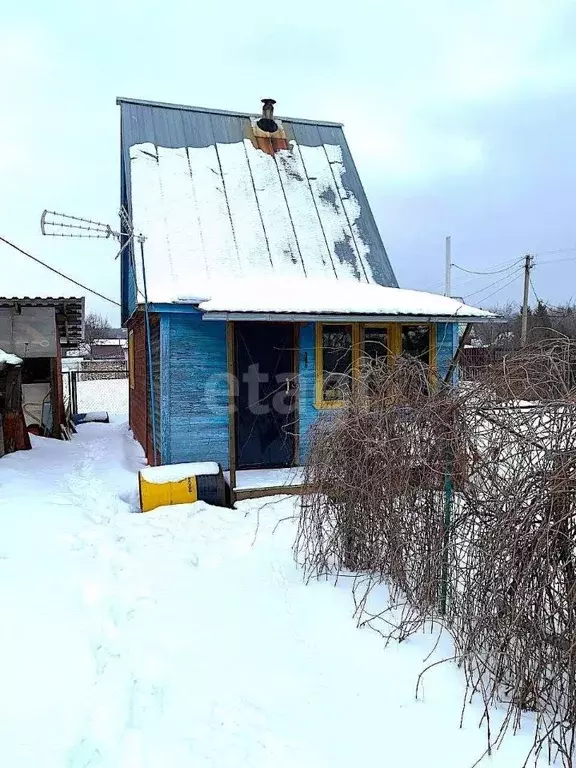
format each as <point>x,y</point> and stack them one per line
<point>97,390</point>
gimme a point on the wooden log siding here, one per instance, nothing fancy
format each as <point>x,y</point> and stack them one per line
<point>138,398</point>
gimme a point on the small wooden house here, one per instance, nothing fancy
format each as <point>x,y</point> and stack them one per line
<point>259,280</point>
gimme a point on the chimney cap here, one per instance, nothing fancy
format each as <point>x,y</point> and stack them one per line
<point>267,122</point>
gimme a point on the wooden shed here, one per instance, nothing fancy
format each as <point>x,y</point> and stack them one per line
<point>266,281</point>
<point>37,330</point>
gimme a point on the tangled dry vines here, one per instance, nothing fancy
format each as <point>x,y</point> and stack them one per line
<point>463,501</point>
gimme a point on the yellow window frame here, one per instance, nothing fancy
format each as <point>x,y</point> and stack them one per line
<point>432,338</point>
<point>131,359</point>
<point>394,345</point>
<point>319,402</point>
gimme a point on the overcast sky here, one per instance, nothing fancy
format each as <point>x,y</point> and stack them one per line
<point>461,116</point>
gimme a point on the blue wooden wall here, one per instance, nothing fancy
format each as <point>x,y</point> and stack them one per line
<point>194,385</point>
<point>308,413</point>
<point>195,389</point>
<point>446,346</point>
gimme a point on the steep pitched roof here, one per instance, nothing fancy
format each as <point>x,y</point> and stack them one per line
<point>214,205</point>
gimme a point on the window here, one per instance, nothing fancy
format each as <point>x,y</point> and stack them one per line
<point>131,358</point>
<point>342,351</point>
<point>334,360</point>
<point>416,342</point>
<point>376,346</point>
<point>374,355</point>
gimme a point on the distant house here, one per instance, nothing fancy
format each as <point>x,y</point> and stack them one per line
<point>107,352</point>
<point>39,330</point>
<point>266,280</point>
<point>105,359</point>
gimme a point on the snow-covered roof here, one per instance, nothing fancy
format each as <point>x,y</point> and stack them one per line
<point>111,342</point>
<point>214,205</point>
<point>328,297</point>
<point>239,225</point>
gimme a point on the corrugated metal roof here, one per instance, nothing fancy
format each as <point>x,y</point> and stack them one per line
<point>212,205</point>
<point>69,313</point>
<point>143,102</point>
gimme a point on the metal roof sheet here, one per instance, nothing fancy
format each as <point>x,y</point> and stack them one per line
<point>211,204</point>
<point>69,312</point>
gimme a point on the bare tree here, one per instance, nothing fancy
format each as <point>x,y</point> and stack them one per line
<point>96,327</point>
<point>463,501</point>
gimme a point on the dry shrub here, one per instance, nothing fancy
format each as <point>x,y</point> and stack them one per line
<point>463,501</point>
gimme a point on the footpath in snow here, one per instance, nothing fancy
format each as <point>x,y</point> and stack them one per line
<point>186,637</point>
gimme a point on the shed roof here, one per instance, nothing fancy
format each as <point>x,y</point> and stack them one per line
<point>69,312</point>
<point>300,299</point>
<point>213,205</point>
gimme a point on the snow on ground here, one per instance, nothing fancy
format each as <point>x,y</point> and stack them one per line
<point>109,395</point>
<point>186,637</point>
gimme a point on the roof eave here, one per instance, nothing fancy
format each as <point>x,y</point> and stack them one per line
<point>300,317</point>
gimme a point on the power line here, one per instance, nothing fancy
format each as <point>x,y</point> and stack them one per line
<point>534,291</point>
<point>496,282</point>
<point>501,288</point>
<point>57,272</point>
<point>492,272</point>
<point>557,261</point>
<point>558,250</point>
<point>500,268</point>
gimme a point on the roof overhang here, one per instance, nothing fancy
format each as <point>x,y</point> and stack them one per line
<point>279,317</point>
<point>69,313</point>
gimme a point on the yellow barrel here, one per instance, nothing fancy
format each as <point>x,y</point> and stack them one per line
<point>176,484</point>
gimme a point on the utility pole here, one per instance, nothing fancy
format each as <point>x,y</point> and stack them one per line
<point>448,274</point>
<point>524,331</point>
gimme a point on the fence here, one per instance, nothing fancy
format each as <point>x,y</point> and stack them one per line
<point>105,389</point>
<point>475,361</point>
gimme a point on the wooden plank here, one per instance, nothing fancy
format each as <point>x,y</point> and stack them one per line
<point>280,490</point>
<point>16,437</point>
<point>296,383</point>
<point>456,358</point>
<point>231,359</point>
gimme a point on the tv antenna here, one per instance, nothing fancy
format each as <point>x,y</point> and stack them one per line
<point>54,224</point>
<point>63,225</point>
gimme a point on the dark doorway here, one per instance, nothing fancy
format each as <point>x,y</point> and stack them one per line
<point>265,418</point>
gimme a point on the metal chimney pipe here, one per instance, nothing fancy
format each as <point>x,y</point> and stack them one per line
<point>268,109</point>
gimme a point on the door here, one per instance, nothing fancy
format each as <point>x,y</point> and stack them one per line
<point>266,401</point>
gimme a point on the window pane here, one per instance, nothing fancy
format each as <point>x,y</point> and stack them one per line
<point>416,342</point>
<point>375,343</point>
<point>336,360</point>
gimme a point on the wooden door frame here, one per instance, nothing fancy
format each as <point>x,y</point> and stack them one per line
<point>233,395</point>
<point>232,407</point>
